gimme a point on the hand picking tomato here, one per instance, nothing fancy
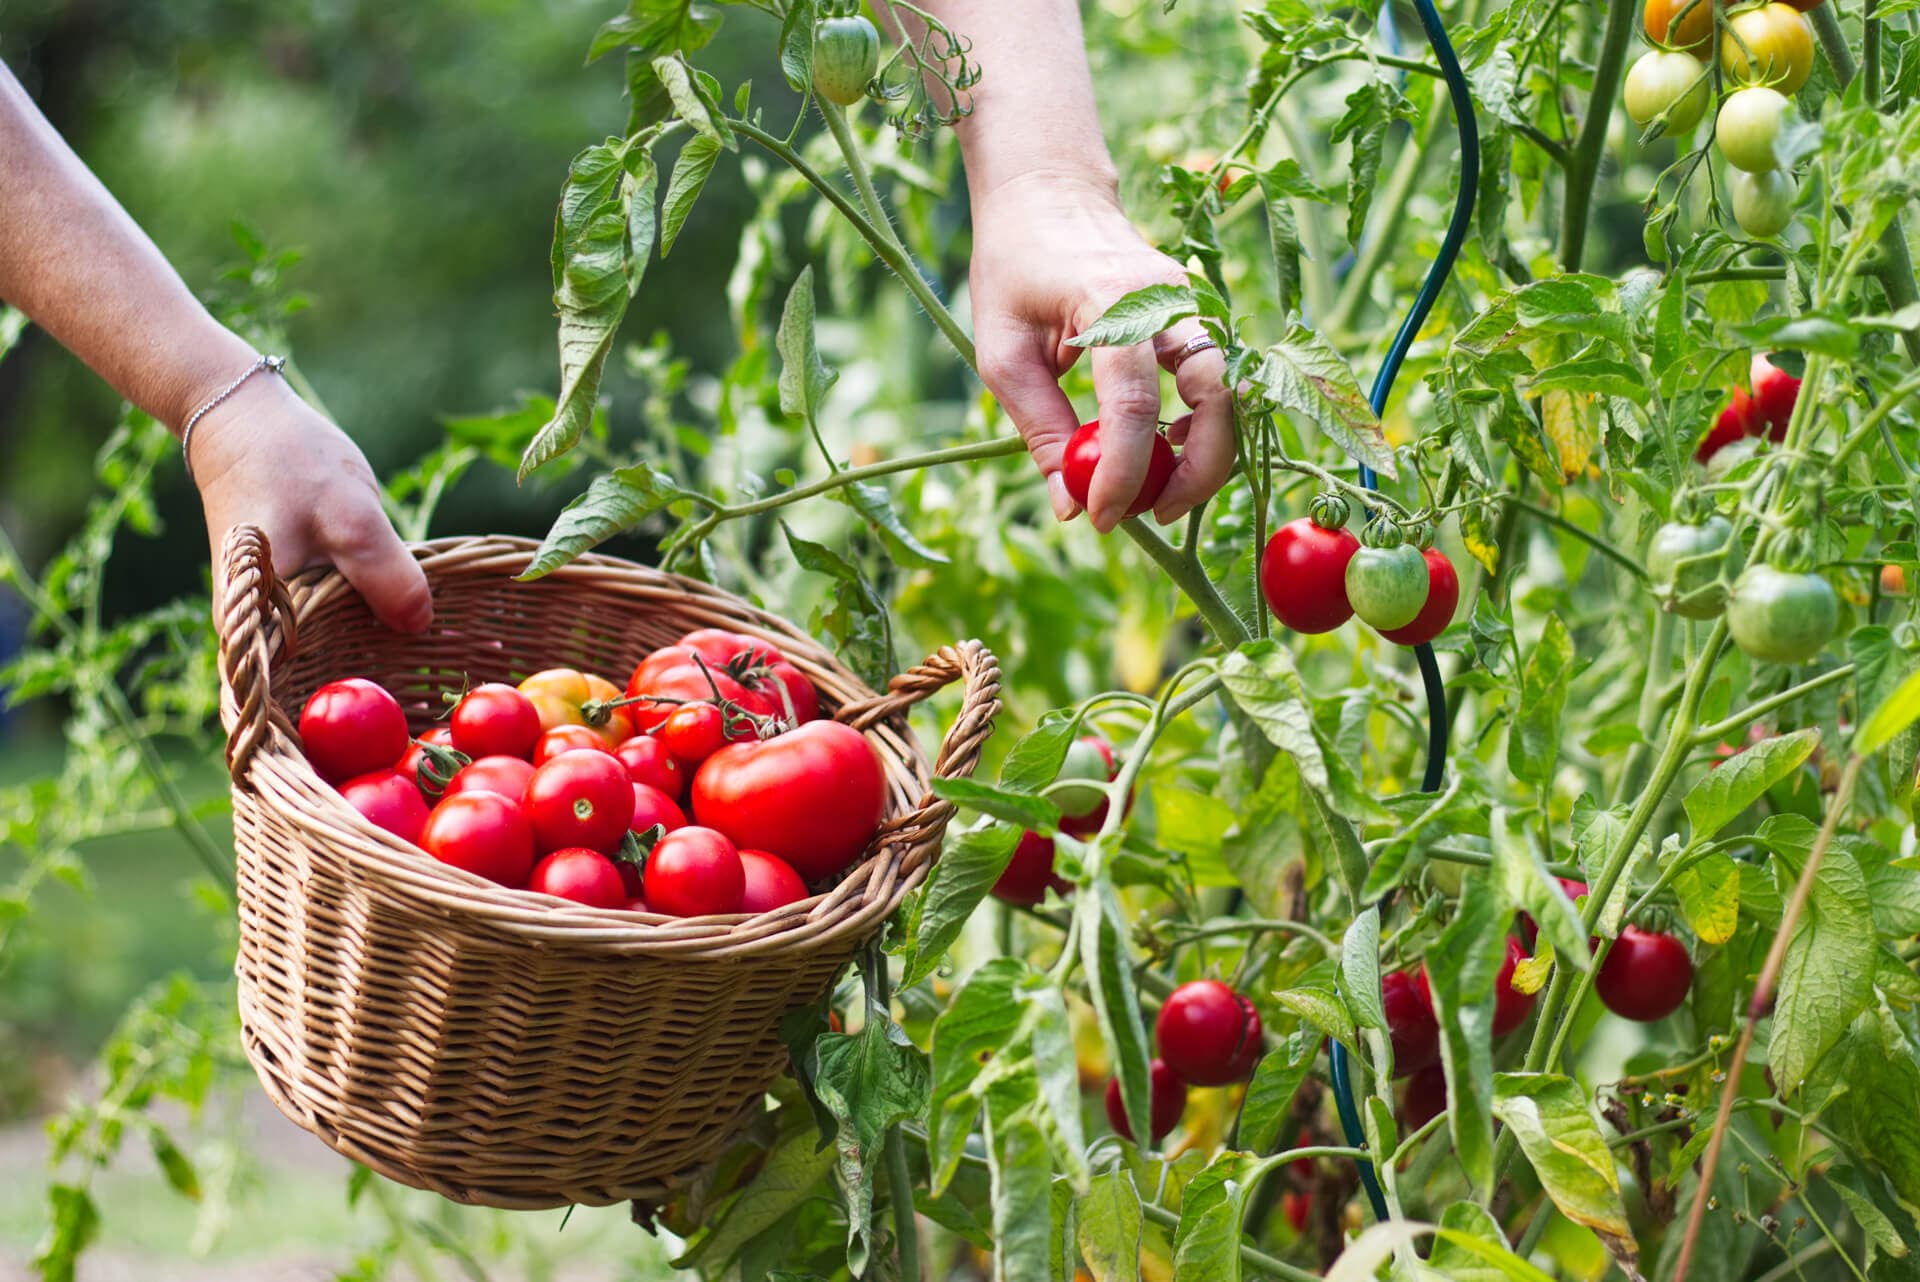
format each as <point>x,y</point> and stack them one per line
<point>351,727</point>
<point>1303,575</point>
<point>1029,872</point>
<point>1425,1098</point>
<point>693,732</point>
<point>648,761</point>
<point>504,776</point>
<point>1774,393</point>
<point>483,833</point>
<point>568,697</point>
<point>495,720</point>
<point>389,800</point>
<point>565,738</point>
<point>1208,1034</point>
<point>584,876</point>
<point>1083,457</point>
<point>813,796</point>
<point>1443,598</point>
<point>1169,1096</point>
<point>770,883</point>
<point>1684,563</point>
<point>1780,616</point>
<point>695,872</point>
<point>654,809</point>
<point>1510,1006</point>
<point>430,761</point>
<point>580,799</point>
<point>1411,1025</point>
<point>1646,976</point>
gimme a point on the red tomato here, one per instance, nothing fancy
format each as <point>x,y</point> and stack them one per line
<point>1208,1034</point>
<point>1029,872</point>
<point>1510,1006</point>
<point>562,697</point>
<point>1411,1025</point>
<point>813,796</point>
<point>1298,1208</point>
<point>504,776</point>
<point>389,800</point>
<point>770,883</point>
<point>695,872</point>
<point>565,738</point>
<point>1425,1099</point>
<point>352,727</point>
<point>648,761</point>
<point>584,876</point>
<point>1646,976</point>
<point>693,732</point>
<point>653,808</point>
<point>1738,419</point>
<point>1443,597</point>
<point>1774,393</point>
<point>1303,574</point>
<point>750,673</point>
<point>1575,889</point>
<point>1169,1095</point>
<point>418,763</point>
<point>1083,456</point>
<point>636,905</point>
<point>495,720</point>
<point>483,833</point>
<point>580,799</point>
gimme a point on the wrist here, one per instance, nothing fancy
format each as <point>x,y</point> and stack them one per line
<point>197,374</point>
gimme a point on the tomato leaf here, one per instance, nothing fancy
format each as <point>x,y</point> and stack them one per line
<point>805,379</point>
<point>1302,373</point>
<point>966,870</point>
<point>616,501</point>
<point>1110,989</point>
<point>875,505</point>
<point>1827,977</point>
<point>1550,1116</point>
<point>1533,741</point>
<point>691,169</point>
<point>1873,1077</point>
<point>1527,885</point>
<point>789,1174</point>
<point>1742,779</point>
<point>1137,316</point>
<point>969,1037</point>
<point>1022,808</point>
<point>858,618</point>
<point>1276,1079</point>
<point>1035,759</point>
<point>870,1081</point>
<point>1264,683</point>
<point>1469,1247</point>
<point>690,103</point>
<point>1462,965</point>
<point>1206,1245</point>
<point>796,45</point>
<point>1321,1009</point>
<point>1107,1224</point>
<point>1022,1170</point>
<point>1896,710</point>
<point>1360,970</point>
<point>1708,889</point>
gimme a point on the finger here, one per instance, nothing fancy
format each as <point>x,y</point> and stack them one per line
<point>365,549</point>
<point>1127,381</point>
<point>1028,390</point>
<point>1206,461</point>
<point>1178,429</point>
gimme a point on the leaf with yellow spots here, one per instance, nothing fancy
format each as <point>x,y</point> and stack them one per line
<point>1572,423</point>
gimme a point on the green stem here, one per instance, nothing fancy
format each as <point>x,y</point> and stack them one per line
<point>1712,733</point>
<point>1583,161</point>
<point>1738,273</point>
<point>1249,1255</point>
<point>836,119</point>
<point>1650,702</point>
<point>882,244</point>
<point>1475,859</point>
<point>1228,628</point>
<point>1595,541</point>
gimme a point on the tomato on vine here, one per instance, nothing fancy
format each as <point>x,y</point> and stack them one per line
<point>1769,44</point>
<point>1748,126</point>
<point>1029,872</point>
<point>569,697</point>
<point>1763,203</point>
<point>1443,598</point>
<point>1387,580</point>
<point>1774,394</point>
<point>846,53</point>
<point>431,762</point>
<point>693,732</point>
<point>1303,569</point>
<point>1669,82</point>
<point>1208,1034</point>
<point>1083,456</point>
<point>1411,1025</point>
<point>1684,563</point>
<point>1169,1096</point>
<point>1646,975</point>
<point>1684,24</point>
<point>1781,616</point>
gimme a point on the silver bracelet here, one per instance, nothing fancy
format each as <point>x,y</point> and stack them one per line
<point>272,364</point>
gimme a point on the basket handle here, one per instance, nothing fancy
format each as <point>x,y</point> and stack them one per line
<point>247,593</point>
<point>968,662</point>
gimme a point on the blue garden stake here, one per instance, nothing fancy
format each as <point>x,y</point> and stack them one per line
<point>1462,99</point>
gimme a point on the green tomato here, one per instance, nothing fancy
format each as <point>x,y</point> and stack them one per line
<point>1666,80</point>
<point>1763,203</point>
<point>1748,125</point>
<point>1085,760</point>
<point>846,52</point>
<point>1387,586</point>
<point>1782,617</point>
<point>1684,562</point>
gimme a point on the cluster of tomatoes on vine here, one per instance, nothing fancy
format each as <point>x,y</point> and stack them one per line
<point>1766,54</point>
<point>567,786</point>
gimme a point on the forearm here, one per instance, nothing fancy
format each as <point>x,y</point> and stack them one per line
<point>76,263</point>
<point>1033,110</point>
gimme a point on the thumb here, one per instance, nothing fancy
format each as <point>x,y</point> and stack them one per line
<point>373,559</point>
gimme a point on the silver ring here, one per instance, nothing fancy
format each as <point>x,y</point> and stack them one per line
<point>1193,346</point>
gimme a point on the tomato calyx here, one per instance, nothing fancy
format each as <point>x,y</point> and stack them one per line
<point>437,764</point>
<point>752,672</point>
<point>1329,511</point>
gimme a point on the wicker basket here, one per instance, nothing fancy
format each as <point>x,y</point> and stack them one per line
<point>495,1046</point>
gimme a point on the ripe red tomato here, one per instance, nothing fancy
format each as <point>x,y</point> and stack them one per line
<point>1169,1095</point>
<point>561,696</point>
<point>1208,1034</point>
<point>504,776</point>
<point>637,904</point>
<point>693,732</point>
<point>352,727</point>
<point>389,800</point>
<point>653,808</point>
<point>648,761</point>
<point>1083,456</point>
<point>770,883</point>
<point>710,663</point>
<point>580,799</point>
<point>419,762</point>
<point>565,738</point>
<point>1411,1025</point>
<point>1735,422</point>
<point>1298,1208</point>
<point>584,876</point>
<point>695,872</point>
<point>1510,1006</point>
<point>483,833</point>
<point>1774,394</point>
<point>1443,597</point>
<point>1303,574</point>
<point>1646,976</point>
<point>1425,1098</point>
<point>495,720</point>
<point>1029,872</point>
<point>813,796</point>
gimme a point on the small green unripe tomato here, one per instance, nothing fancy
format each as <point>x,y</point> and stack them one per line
<point>1763,203</point>
<point>1748,126</point>
<point>846,53</point>
<point>1666,80</point>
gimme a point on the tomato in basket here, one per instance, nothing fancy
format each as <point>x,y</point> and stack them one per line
<point>565,738</point>
<point>580,798</point>
<point>711,665</point>
<point>655,809</point>
<point>389,800</point>
<point>584,876</point>
<point>771,883</point>
<point>813,797</point>
<point>483,833</point>
<point>495,720</point>
<point>694,872</point>
<point>351,727</point>
<point>569,697</point>
<point>505,776</point>
<point>648,761</point>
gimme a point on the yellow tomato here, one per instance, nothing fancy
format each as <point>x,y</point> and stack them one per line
<point>1771,45</point>
<point>1680,24</point>
<point>560,696</point>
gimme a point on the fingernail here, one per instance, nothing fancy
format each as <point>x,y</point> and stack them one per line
<point>1064,508</point>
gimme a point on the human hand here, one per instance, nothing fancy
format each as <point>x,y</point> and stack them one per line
<point>1051,254</point>
<point>265,457</point>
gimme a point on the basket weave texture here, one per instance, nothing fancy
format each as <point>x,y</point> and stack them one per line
<point>495,1046</point>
